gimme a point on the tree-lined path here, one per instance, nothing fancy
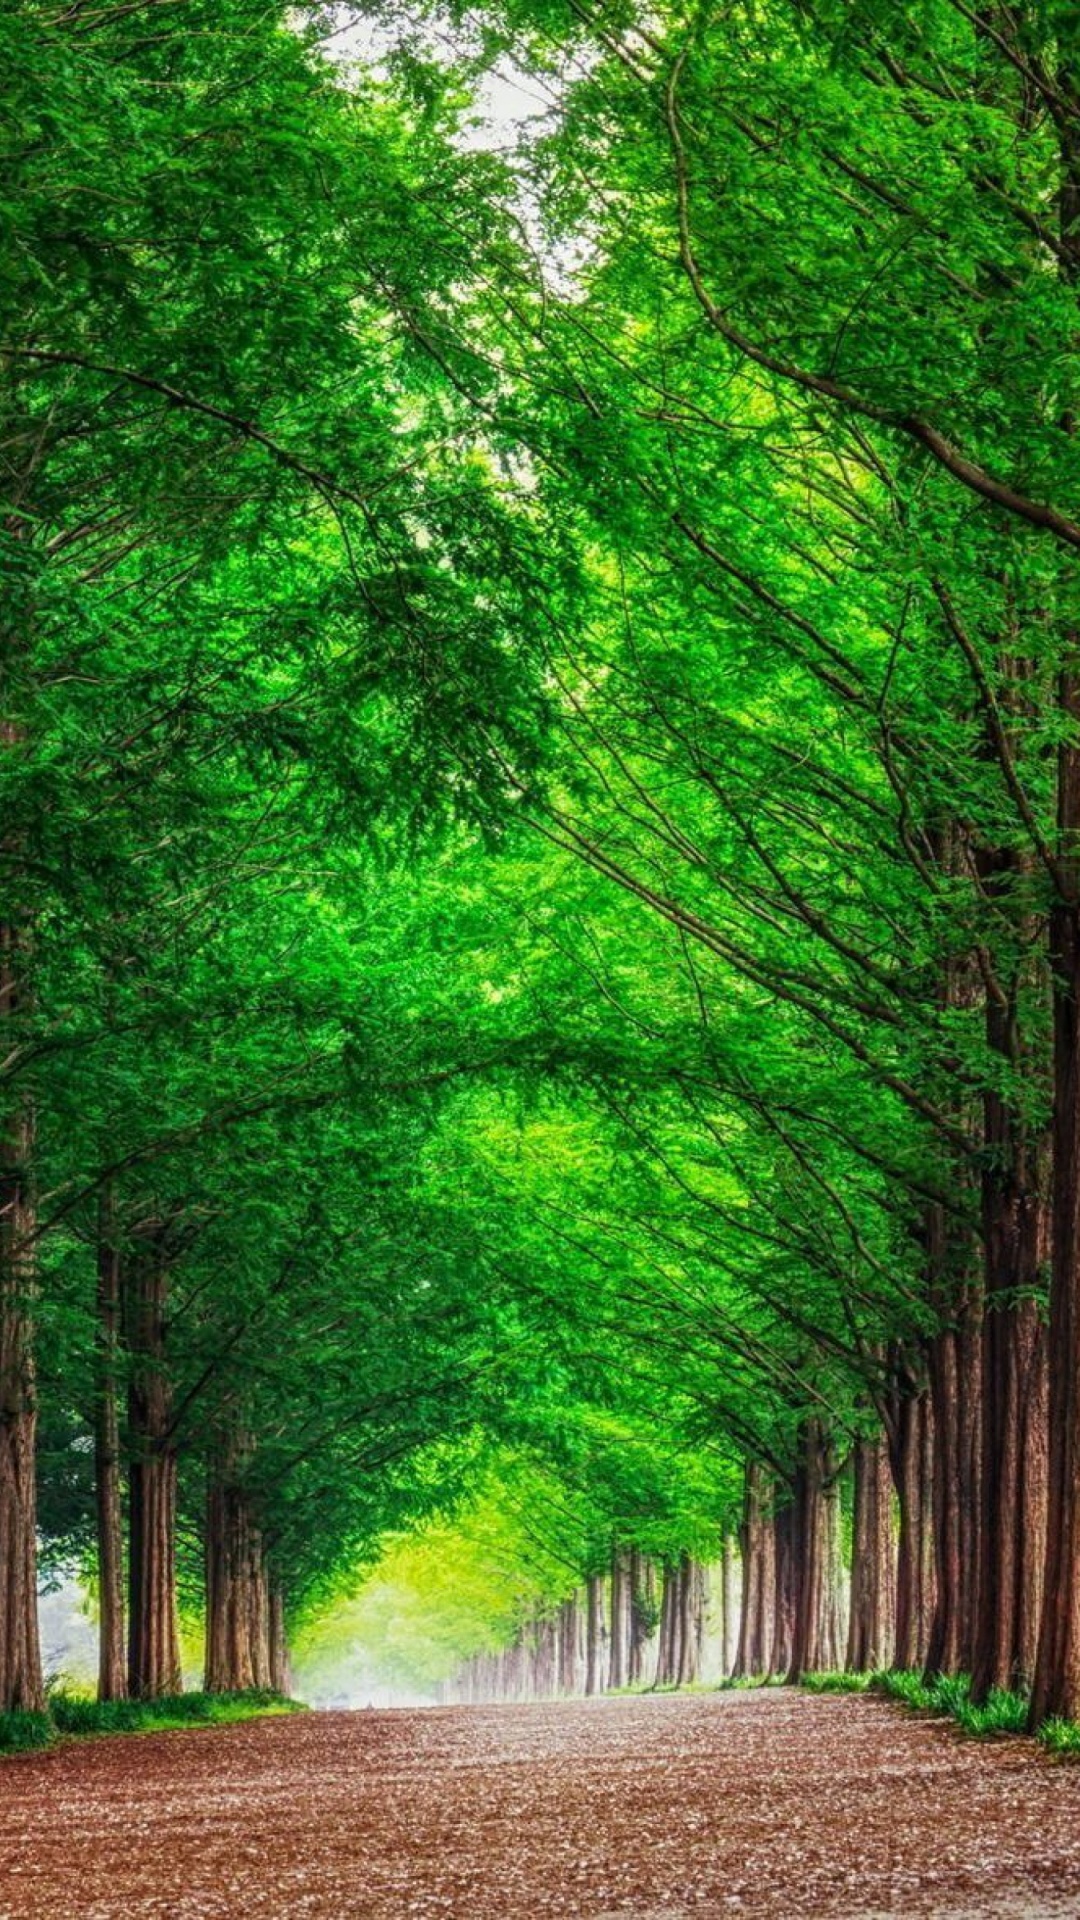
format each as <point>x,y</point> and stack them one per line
<point>758,1803</point>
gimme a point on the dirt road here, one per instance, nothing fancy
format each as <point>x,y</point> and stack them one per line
<point>773,1804</point>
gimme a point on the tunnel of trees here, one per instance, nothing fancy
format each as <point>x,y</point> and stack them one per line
<point>540,827</point>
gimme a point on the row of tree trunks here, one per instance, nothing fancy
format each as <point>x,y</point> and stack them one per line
<point>814,1556</point>
<point>757,1540</point>
<point>682,1624</point>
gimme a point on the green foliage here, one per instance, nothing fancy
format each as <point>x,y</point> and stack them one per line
<point>1001,1712</point>
<point>25,1732</point>
<point>1060,1738</point>
<point>73,1714</point>
<point>837,1682</point>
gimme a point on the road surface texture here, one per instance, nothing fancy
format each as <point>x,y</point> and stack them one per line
<point>772,1803</point>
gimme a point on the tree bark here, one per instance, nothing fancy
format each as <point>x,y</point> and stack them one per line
<point>690,1600</point>
<point>569,1646</point>
<point>758,1543</point>
<point>594,1634</point>
<point>153,1628</point>
<point>727,1605</point>
<point>237,1601</point>
<point>642,1600</point>
<point>815,1555</point>
<point>21,1683</point>
<point>112,1672</point>
<point>280,1669</point>
<point>872,1619</point>
<point>1057,1674</point>
<point>619,1661</point>
<point>911,1459</point>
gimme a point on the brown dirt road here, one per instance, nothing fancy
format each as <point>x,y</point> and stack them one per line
<point>769,1804</point>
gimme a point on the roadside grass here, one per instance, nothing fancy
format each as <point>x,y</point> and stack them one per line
<point>1002,1713</point>
<point>836,1682</point>
<point>78,1716</point>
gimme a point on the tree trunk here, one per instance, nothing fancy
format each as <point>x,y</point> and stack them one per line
<point>911,1459</point>
<point>153,1629</point>
<point>569,1646</point>
<point>815,1555</point>
<point>1057,1673</point>
<point>280,1673</point>
<point>619,1662</point>
<point>872,1619</point>
<point>594,1634</point>
<point>238,1621</point>
<point>758,1541</point>
<point>691,1610</point>
<point>956,1377</point>
<point>669,1642</point>
<point>727,1605</point>
<point>641,1614</point>
<point>112,1671</point>
<point>21,1684</point>
<point>786,1591</point>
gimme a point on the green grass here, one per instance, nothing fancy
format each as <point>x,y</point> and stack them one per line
<point>1061,1738</point>
<point>77,1715</point>
<point>836,1682</point>
<point>1003,1712</point>
<point>22,1732</point>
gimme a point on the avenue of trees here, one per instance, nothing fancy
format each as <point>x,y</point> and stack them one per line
<point>540,829</point>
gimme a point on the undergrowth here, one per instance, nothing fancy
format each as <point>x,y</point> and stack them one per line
<point>836,1682</point>
<point>1003,1711</point>
<point>73,1714</point>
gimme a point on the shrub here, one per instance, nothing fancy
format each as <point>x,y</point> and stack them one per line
<point>1061,1738</point>
<point>22,1732</point>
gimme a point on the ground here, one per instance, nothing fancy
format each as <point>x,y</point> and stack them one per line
<point>664,1807</point>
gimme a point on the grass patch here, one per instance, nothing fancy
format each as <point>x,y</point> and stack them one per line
<point>1061,1738</point>
<point>738,1683</point>
<point>836,1682</point>
<point>23,1732</point>
<point>75,1715</point>
<point>1003,1712</point>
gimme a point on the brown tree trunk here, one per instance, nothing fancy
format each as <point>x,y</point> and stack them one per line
<point>21,1684</point>
<point>956,1379</point>
<point>727,1605</point>
<point>690,1591</point>
<point>280,1671</point>
<point>569,1646</point>
<point>872,1619</point>
<point>641,1605</point>
<point>758,1543</point>
<point>594,1634</point>
<point>1057,1672</point>
<point>786,1585</point>
<point>619,1661</point>
<point>911,1459</point>
<point>112,1670</point>
<point>237,1590</point>
<point>815,1535</point>
<point>153,1629</point>
<point>668,1644</point>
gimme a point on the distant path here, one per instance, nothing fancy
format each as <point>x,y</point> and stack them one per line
<point>744,1804</point>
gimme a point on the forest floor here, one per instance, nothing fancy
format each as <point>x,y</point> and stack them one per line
<point>769,1803</point>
